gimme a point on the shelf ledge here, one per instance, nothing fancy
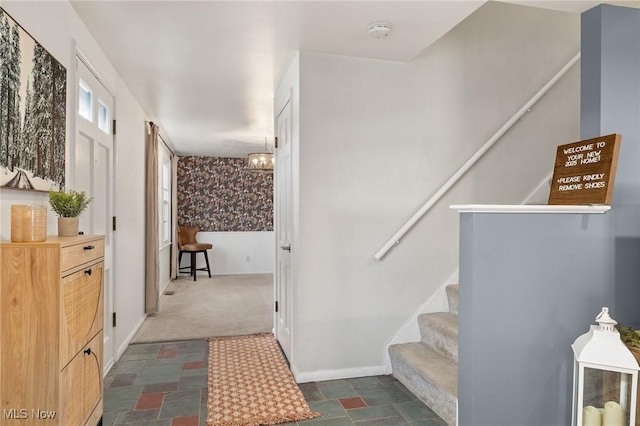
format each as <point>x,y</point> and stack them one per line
<point>530,208</point>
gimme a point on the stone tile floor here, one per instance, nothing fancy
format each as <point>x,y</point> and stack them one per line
<point>165,384</point>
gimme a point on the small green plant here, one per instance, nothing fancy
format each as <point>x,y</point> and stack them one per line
<point>629,336</point>
<point>69,204</point>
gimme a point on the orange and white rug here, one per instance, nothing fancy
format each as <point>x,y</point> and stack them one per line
<point>250,384</point>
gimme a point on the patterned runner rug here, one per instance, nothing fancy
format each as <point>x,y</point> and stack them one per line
<point>250,384</point>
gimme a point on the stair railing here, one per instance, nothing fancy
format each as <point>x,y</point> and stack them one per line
<point>395,239</point>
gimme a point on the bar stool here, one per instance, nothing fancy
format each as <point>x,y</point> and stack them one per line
<point>187,243</point>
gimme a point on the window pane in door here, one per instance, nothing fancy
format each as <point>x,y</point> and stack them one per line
<point>85,101</point>
<point>166,202</point>
<point>165,222</point>
<point>103,117</point>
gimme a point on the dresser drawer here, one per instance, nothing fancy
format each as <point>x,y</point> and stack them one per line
<point>82,384</point>
<point>79,254</point>
<point>81,309</point>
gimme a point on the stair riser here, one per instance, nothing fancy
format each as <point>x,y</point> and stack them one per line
<point>443,404</point>
<point>443,345</point>
<point>452,297</point>
<point>437,336</point>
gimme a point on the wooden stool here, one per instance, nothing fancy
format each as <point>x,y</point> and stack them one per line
<point>187,243</point>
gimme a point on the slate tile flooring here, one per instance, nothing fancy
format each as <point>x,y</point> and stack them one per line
<point>165,384</point>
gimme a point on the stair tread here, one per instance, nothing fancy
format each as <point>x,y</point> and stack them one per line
<point>429,364</point>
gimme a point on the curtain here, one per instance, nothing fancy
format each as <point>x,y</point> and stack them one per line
<point>174,216</point>
<point>152,267</point>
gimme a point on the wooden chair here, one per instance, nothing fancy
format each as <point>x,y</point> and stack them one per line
<point>187,243</point>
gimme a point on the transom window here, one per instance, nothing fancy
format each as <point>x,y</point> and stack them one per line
<point>85,101</point>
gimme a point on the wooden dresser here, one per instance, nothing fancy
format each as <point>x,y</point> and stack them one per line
<point>51,319</point>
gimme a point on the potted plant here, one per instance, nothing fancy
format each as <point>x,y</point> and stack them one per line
<point>631,337</point>
<point>68,206</point>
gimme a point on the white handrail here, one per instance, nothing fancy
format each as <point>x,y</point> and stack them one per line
<point>471,161</point>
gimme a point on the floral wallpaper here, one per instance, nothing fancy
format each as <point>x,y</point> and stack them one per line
<point>220,194</point>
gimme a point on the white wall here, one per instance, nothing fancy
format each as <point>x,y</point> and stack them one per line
<point>130,210</point>
<point>57,28</point>
<point>237,252</point>
<point>377,138</point>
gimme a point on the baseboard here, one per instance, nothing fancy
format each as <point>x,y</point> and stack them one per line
<point>164,286</point>
<point>346,373</point>
<point>128,339</point>
<point>183,276</point>
<point>218,273</point>
<point>107,367</point>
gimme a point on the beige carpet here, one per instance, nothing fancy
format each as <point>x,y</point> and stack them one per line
<point>227,305</point>
<point>250,384</point>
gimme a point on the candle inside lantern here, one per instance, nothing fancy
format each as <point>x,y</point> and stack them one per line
<point>591,416</point>
<point>613,414</point>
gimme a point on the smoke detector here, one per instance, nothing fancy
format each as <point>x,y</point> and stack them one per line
<point>379,29</point>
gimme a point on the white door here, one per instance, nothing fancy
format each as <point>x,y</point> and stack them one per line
<point>284,234</point>
<point>94,146</point>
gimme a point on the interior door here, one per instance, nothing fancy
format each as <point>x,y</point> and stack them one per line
<point>94,174</point>
<point>284,225</point>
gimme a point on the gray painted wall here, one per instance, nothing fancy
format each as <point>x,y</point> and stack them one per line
<point>610,103</point>
<point>610,89</point>
<point>531,283</point>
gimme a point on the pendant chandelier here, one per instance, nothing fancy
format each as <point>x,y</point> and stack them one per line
<point>261,162</point>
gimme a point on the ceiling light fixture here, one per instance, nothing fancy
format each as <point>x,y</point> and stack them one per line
<point>261,162</point>
<point>379,29</point>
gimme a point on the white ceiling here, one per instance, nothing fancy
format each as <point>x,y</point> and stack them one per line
<point>206,70</point>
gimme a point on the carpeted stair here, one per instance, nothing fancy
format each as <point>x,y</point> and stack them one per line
<point>429,368</point>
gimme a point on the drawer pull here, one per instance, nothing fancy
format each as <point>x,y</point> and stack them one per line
<point>87,351</point>
<point>88,247</point>
<point>88,272</point>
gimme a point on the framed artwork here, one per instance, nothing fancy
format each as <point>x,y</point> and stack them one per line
<point>33,94</point>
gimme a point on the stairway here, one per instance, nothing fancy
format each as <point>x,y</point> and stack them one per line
<point>429,368</point>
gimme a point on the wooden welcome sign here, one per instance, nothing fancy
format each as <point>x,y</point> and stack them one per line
<point>585,171</point>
